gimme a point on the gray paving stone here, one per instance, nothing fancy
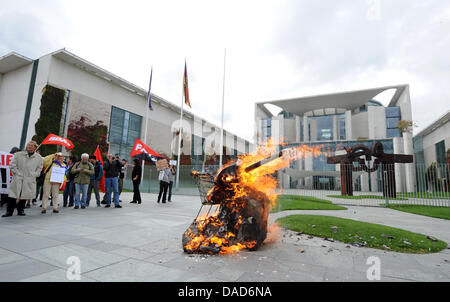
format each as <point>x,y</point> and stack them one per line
<point>132,253</point>
<point>58,275</point>
<point>22,269</point>
<point>27,242</point>
<point>133,270</point>
<point>90,259</point>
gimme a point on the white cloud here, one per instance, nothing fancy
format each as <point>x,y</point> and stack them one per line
<point>275,49</point>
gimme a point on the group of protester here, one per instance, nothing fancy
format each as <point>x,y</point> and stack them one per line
<point>31,172</point>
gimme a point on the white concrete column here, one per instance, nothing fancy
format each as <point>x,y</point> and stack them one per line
<point>365,182</point>
<point>297,129</point>
<point>305,129</point>
<point>335,128</point>
<point>410,171</point>
<point>348,125</point>
<point>399,172</point>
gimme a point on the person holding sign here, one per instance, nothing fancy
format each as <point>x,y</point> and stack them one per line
<point>25,167</point>
<point>55,170</point>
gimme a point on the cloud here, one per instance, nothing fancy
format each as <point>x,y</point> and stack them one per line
<point>275,49</point>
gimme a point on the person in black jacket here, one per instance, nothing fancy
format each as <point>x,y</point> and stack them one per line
<point>112,168</point>
<point>69,189</point>
<point>136,176</point>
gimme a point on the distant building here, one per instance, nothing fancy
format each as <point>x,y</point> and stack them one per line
<point>338,121</point>
<point>92,97</point>
<point>431,144</point>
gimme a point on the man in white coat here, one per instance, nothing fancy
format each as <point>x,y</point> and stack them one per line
<point>25,167</point>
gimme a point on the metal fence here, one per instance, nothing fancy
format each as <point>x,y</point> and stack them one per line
<point>413,184</point>
<point>389,184</point>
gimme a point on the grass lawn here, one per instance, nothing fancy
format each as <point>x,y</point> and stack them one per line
<point>431,211</point>
<point>363,233</point>
<point>365,197</point>
<point>295,202</point>
<point>426,195</point>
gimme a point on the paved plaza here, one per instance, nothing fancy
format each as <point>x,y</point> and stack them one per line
<point>143,243</point>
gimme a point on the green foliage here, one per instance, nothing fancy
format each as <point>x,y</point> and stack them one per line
<point>405,126</point>
<point>86,138</point>
<point>363,234</point>
<point>49,121</point>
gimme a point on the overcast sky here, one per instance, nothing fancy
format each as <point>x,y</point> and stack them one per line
<point>275,49</point>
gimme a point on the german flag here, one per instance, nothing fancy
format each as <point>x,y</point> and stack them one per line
<point>185,87</point>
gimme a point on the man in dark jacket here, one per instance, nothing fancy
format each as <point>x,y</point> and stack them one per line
<point>112,169</point>
<point>136,177</point>
<point>95,180</point>
<point>69,189</point>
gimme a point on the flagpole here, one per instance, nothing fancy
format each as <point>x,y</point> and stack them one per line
<point>223,105</point>
<point>146,122</point>
<point>179,134</point>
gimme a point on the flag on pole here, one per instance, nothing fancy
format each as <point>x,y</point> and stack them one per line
<point>52,139</point>
<point>149,94</point>
<point>140,147</point>
<point>185,87</point>
<point>98,156</point>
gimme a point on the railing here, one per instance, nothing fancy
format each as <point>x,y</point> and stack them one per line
<point>402,184</point>
<point>389,184</point>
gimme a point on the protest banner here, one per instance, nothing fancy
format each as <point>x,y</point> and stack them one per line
<point>5,173</point>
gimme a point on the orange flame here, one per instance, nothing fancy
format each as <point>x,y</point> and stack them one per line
<point>256,180</point>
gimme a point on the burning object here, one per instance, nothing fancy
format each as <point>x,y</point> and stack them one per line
<point>236,202</point>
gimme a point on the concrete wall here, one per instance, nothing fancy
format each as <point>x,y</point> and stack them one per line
<point>360,126</point>
<point>14,87</point>
<point>290,131</point>
<point>376,122</point>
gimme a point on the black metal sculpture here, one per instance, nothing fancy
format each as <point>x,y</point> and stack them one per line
<point>356,154</point>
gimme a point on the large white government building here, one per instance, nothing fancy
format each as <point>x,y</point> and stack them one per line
<point>94,96</point>
<point>338,121</point>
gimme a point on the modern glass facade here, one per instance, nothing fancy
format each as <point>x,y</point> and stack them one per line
<point>266,128</point>
<point>124,129</point>
<point>322,128</point>
<point>393,116</point>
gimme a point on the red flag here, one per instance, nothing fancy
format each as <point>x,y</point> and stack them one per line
<point>52,139</point>
<point>98,156</point>
<point>187,101</point>
<point>140,147</point>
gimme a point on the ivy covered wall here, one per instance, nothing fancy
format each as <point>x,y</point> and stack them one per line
<point>86,136</point>
<point>49,121</point>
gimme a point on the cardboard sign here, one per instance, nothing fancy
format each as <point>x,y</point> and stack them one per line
<point>173,162</point>
<point>5,172</point>
<point>162,164</point>
<point>57,175</point>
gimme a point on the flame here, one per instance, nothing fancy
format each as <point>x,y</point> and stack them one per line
<point>235,195</point>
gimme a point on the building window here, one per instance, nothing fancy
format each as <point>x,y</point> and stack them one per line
<point>393,116</point>
<point>440,152</point>
<point>342,133</point>
<point>124,129</point>
<point>266,129</point>
<point>302,137</point>
<point>324,127</point>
